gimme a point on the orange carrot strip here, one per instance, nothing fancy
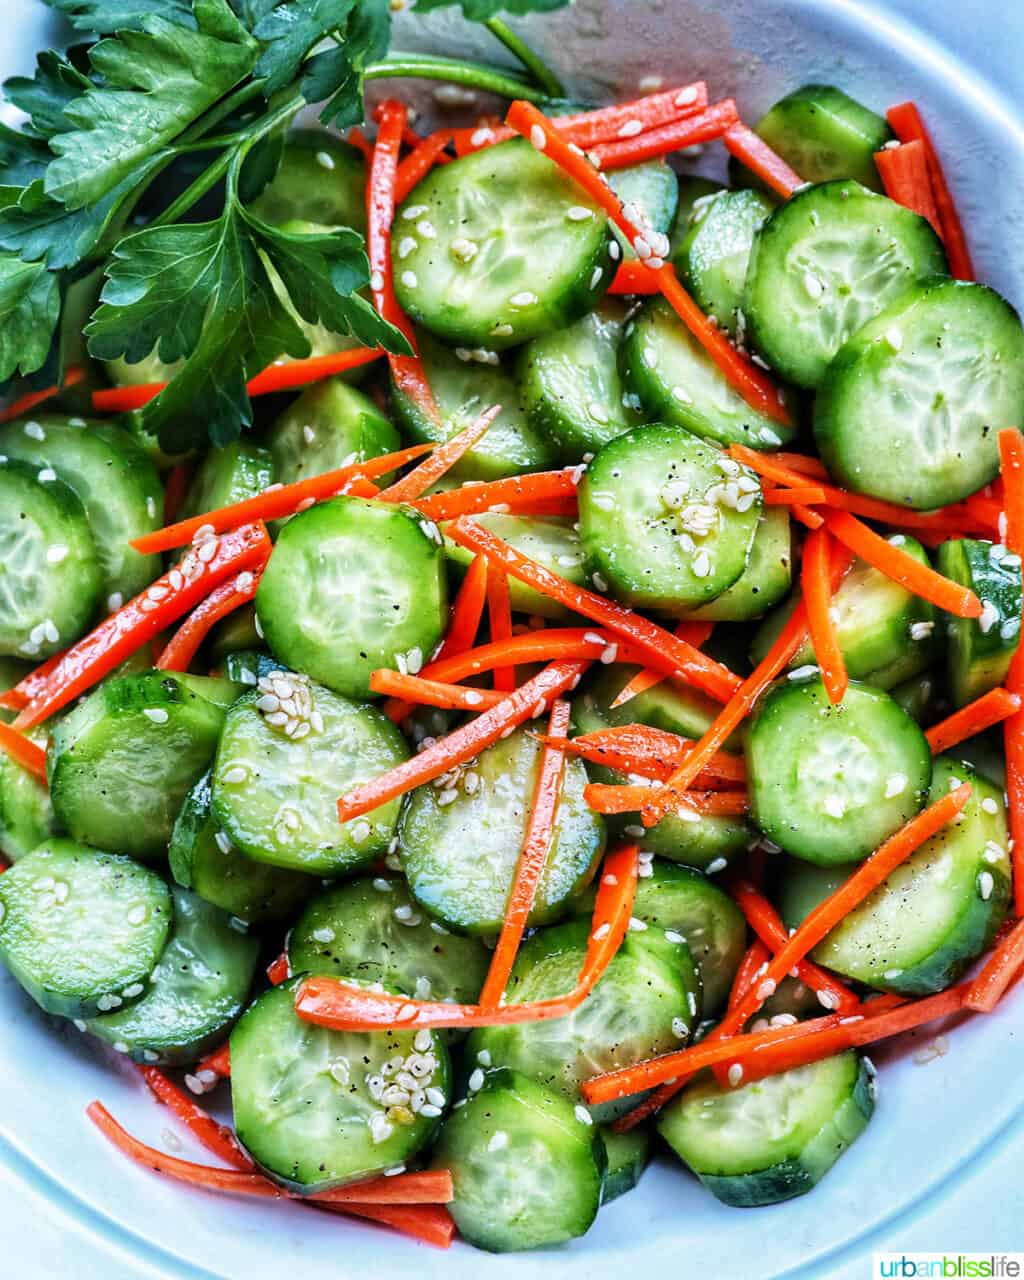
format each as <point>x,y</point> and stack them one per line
<point>650,752</point>
<point>981,714</point>
<point>688,131</point>
<point>72,375</point>
<point>277,502</point>
<point>219,1062</point>
<point>178,479</point>
<point>515,492</point>
<point>695,633</point>
<point>533,857</point>
<point>902,568</point>
<point>440,461</point>
<point>465,742</point>
<point>23,751</point>
<point>613,798</point>
<point>229,596</point>
<point>541,645</point>
<point>277,970</point>
<point>429,1223</point>
<point>216,1138</point>
<point>416,691</point>
<point>817,593</point>
<point>499,617</point>
<point>808,494</point>
<point>904,174</point>
<point>633,277</point>
<point>755,386</point>
<point>1002,965</point>
<point>415,167</point>
<point>752,151</point>
<point>1011,457</point>
<point>755,959</point>
<point>356,138</point>
<point>808,517</point>
<point>690,664</point>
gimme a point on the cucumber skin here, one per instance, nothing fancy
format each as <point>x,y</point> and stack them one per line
<point>26,812</point>
<point>978,660</point>
<point>767,577</point>
<point>628,1155</point>
<point>712,242</point>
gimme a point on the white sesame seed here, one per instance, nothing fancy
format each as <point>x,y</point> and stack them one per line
<point>376,281</point>
<point>990,805</point>
<point>47,475</point>
<point>985,885</point>
<point>157,714</point>
<point>895,785</point>
<point>988,617</point>
<point>719,864</point>
<point>631,128</point>
<point>595,278</point>
<point>475,1081</point>
<point>735,1074</point>
<point>583,1115</point>
<point>537,139</point>
<point>34,431</point>
<point>524,299</point>
<point>601,932</point>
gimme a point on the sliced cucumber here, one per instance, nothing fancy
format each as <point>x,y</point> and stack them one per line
<point>240,470</point>
<point>571,386</point>
<point>920,930</point>
<point>276,783</point>
<point>765,580</point>
<point>498,247</point>
<point>823,134</point>
<point>669,705</point>
<point>628,1155</point>
<point>695,194</point>
<point>773,1139</point>
<point>121,761</point>
<point>351,586</point>
<point>319,179</point>
<point>465,383</point>
<point>678,382</point>
<point>81,930</point>
<point>653,189</point>
<point>195,993</point>
<point>666,519</point>
<point>647,1002</point>
<point>550,540</point>
<point>912,407</point>
<point>917,696</point>
<point>886,633</point>
<point>824,264</point>
<point>318,1108</point>
<point>26,814</point>
<point>981,649</point>
<point>50,575</point>
<point>236,633</point>
<point>373,930</point>
<point>830,783</point>
<point>712,259</point>
<point>202,858</point>
<point>459,851</point>
<point>527,1168</point>
<point>114,481</point>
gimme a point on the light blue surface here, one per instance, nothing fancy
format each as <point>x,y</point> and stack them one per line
<point>940,1166</point>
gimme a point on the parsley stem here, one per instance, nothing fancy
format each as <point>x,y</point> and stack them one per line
<point>472,74</point>
<point>531,60</point>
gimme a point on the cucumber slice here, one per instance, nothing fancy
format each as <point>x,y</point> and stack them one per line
<point>372,930</point>
<point>824,264</point>
<point>240,470</point>
<point>351,586</point>
<point>678,382</point>
<point>774,1139</point>
<point>276,785</point>
<point>114,481</point>
<point>827,783</point>
<point>26,814</point>
<point>628,1155</point>
<point>81,931</point>
<point>920,930</point>
<point>712,259</point>
<point>202,858</point>
<point>499,247</point>
<point>666,519</point>
<point>236,633</point>
<point>459,852</point>
<point>571,387</point>
<point>695,194</point>
<point>318,1108</point>
<point>653,189</point>
<point>464,385</point>
<point>195,993</point>
<point>917,697</point>
<point>121,761</point>
<point>981,649</point>
<point>647,1002</point>
<point>527,1168</point>
<point>550,540</point>
<point>886,633</point>
<point>767,577</point>
<point>50,576</point>
<point>911,409</point>
<point>246,666</point>
<point>824,134</point>
<point>319,179</point>
<point>669,705</point>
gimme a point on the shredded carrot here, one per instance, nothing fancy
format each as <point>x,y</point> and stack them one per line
<point>630,798</point>
<point>981,714</point>
<point>755,959</point>
<point>23,751</point>
<point>277,970</point>
<point>652,753</point>
<point>418,691</point>
<point>415,167</point>
<point>660,646</point>
<point>904,174</point>
<point>72,375</point>
<point>752,151</point>
<point>817,593</point>
<point>175,489</point>
<point>30,686</point>
<point>999,971</point>
<point>807,516</point>
<point>688,131</point>
<point>695,633</point>
<point>633,277</point>
<point>277,502</point>
<point>440,462</point>
<point>540,831</point>
<point>219,1062</point>
<point>499,619</point>
<point>216,1138</point>
<point>429,1223</point>
<point>356,138</point>
<point>1011,457</point>
<point>465,742</point>
<point>516,493</point>
<point>228,597</point>
<point>805,495</point>
<point>752,383</point>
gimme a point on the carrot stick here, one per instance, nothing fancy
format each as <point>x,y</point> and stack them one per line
<point>415,167</point>
<point>690,664</point>
<point>909,127</point>
<point>755,960</point>
<point>633,277</point>
<point>817,593</point>
<point>695,633</point>
<point>652,753</point>
<point>755,386</point>
<point>464,743</point>
<point>543,645</point>
<point>277,970</point>
<point>688,131</point>
<point>218,1062</point>
<point>808,517</point>
<point>611,798</point>
<point>981,714</point>
<point>133,625</point>
<point>72,375</point>
<point>986,990</point>
<point>216,1138</point>
<point>499,618</point>
<point>1011,458</point>
<point>178,479</point>
<point>416,691</point>
<point>752,151</point>
<point>512,492</point>
<point>229,596</point>
<point>904,174</point>
<point>444,457</point>
<point>809,494</point>
<point>23,751</point>
<point>428,1223</point>
<point>533,857</point>
<point>356,138</point>
<point>277,502</point>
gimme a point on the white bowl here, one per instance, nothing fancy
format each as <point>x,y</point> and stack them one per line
<point>939,1166</point>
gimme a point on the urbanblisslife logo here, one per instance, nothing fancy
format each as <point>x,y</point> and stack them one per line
<point>949,1266</point>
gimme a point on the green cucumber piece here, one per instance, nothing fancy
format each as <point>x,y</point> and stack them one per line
<point>695,194</point>
<point>653,189</point>
<point>824,264</point>
<point>628,1155</point>
<point>237,471</point>
<point>767,577</point>
<point>980,649</point>
<point>916,696</point>
<point>319,179</point>
<point>80,930</point>
<point>712,259</point>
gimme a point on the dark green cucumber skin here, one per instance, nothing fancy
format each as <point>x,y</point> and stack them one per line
<point>713,257</point>
<point>977,660</point>
<point>628,1155</point>
<point>304,187</point>
<point>240,470</point>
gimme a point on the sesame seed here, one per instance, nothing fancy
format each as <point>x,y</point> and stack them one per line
<point>537,139</point>
<point>157,714</point>
<point>719,864</point>
<point>47,475</point>
<point>921,630</point>
<point>480,137</point>
<point>686,97</point>
<point>409,279</point>
<point>578,213</point>
<point>990,805</point>
<point>895,785</point>
<point>601,932</point>
<point>475,1081</point>
<point>524,299</point>
<point>766,989</point>
<point>985,885</point>
<point>376,281</point>
<point>34,431</point>
<point>735,1074</point>
<point>595,278</point>
<point>583,1115</point>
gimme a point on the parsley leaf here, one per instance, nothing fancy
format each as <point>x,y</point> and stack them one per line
<point>290,31</point>
<point>107,16</point>
<point>156,82</point>
<point>29,311</point>
<point>44,96</point>
<point>482,10</point>
<point>22,158</point>
<point>337,74</point>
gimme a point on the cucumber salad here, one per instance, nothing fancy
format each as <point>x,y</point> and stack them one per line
<point>509,649</point>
